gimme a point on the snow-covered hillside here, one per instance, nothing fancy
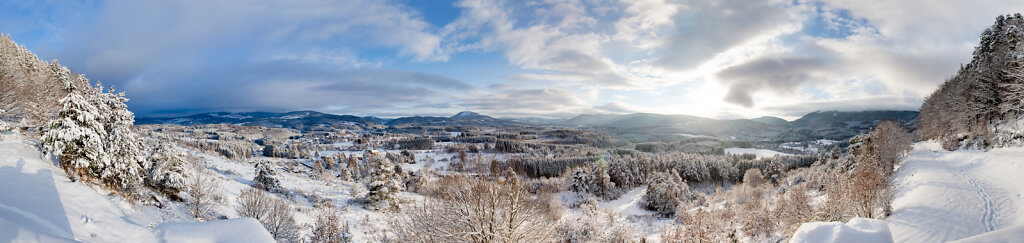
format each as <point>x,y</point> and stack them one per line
<point>945,196</point>
<point>760,153</point>
<point>39,203</point>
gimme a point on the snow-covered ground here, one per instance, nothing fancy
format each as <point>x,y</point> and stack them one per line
<point>694,135</point>
<point>760,153</point>
<point>39,203</point>
<point>945,196</point>
<point>857,230</point>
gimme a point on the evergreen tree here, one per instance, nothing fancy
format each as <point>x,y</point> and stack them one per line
<point>76,137</point>
<point>266,177</point>
<point>665,192</point>
<point>383,186</point>
<point>122,144</point>
<point>168,171</point>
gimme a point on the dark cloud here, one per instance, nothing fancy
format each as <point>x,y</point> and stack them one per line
<point>707,28</point>
<point>892,102</point>
<point>777,74</point>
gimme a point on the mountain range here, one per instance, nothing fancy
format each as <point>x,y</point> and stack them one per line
<point>834,125</point>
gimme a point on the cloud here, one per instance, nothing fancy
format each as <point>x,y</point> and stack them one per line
<point>509,100</point>
<point>554,57</point>
<point>883,102</point>
<point>706,28</point>
<point>777,74</point>
<point>562,46</point>
<point>127,38</point>
<point>292,85</point>
<point>644,20</point>
<point>616,107</point>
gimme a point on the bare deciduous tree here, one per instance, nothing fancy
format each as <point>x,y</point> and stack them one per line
<point>471,210</point>
<point>275,214</point>
<point>327,228</point>
<point>204,193</point>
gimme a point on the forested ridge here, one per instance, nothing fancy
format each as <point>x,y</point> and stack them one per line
<point>982,105</point>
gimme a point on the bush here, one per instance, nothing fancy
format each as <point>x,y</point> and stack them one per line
<point>274,213</point>
<point>471,210</point>
<point>327,228</point>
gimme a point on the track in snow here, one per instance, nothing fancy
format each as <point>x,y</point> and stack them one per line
<point>989,208</point>
<point>944,196</point>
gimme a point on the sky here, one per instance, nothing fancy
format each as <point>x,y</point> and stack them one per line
<point>529,58</point>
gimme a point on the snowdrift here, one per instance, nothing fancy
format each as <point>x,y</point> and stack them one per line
<point>858,230</point>
<point>240,230</point>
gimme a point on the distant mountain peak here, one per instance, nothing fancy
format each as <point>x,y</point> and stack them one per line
<point>466,114</point>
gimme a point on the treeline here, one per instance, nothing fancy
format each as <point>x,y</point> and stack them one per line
<point>981,104</point>
<point>423,143</point>
<point>630,170</point>
<point>86,128</point>
<point>30,88</point>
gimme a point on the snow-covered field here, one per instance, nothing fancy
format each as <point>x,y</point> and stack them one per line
<point>760,153</point>
<point>945,196</point>
<point>39,203</point>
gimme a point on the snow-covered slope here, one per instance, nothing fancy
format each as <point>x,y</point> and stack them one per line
<point>857,230</point>
<point>760,153</point>
<point>39,203</point>
<point>222,231</point>
<point>945,196</point>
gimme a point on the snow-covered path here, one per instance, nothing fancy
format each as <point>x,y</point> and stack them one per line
<point>946,196</point>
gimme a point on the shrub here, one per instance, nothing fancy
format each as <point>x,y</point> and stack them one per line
<point>471,210</point>
<point>274,213</point>
<point>327,227</point>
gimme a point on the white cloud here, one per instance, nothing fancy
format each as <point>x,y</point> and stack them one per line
<point>128,37</point>
<point>705,29</point>
<point>644,20</point>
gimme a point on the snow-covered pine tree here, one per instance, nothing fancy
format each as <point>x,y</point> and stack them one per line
<point>76,137</point>
<point>665,192</point>
<point>167,173</point>
<point>602,183</point>
<point>123,145</point>
<point>581,180</point>
<point>266,177</point>
<point>383,186</point>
